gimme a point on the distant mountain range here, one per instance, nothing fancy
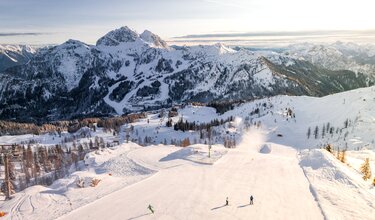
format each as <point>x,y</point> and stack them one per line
<point>13,55</point>
<point>126,71</point>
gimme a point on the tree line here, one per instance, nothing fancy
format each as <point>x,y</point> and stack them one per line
<point>192,126</point>
<point>114,123</point>
<point>29,165</point>
<point>327,129</point>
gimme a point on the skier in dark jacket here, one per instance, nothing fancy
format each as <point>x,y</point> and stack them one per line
<point>151,209</point>
<point>251,200</point>
<point>227,201</point>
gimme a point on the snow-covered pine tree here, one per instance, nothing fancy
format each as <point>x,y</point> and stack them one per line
<point>316,131</point>
<point>169,122</point>
<point>127,135</point>
<point>96,142</point>
<point>91,144</point>
<point>346,123</point>
<point>101,143</point>
<point>328,126</point>
<point>308,133</point>
<point>331,130</point>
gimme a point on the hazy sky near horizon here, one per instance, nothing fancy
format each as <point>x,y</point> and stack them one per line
<point>55,21</point>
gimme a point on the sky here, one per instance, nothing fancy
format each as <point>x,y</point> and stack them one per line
<point>199,21</point>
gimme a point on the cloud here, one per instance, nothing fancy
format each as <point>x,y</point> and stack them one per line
<point>276,39</point>
<point>12,34</point>
<point>272,34</point>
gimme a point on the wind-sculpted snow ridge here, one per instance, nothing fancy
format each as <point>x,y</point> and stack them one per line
<point>126,72</point>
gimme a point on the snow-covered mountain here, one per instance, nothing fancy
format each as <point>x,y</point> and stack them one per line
<point>126,71</point>
<point>337,56</point>
<point>13,55</point>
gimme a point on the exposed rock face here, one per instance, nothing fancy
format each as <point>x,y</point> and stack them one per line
<point>115,37</point>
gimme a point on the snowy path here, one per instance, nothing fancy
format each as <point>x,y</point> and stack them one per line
<point>190,191</point>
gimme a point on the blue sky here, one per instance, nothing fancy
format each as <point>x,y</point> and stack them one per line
<point>55,21</point>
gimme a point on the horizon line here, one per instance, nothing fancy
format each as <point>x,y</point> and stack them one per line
<point>275,33</point>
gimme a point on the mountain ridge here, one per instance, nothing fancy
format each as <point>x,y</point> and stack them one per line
<point>13,55</point>
<point>127,72</point>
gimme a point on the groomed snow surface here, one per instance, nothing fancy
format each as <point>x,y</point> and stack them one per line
<point>186,190</point>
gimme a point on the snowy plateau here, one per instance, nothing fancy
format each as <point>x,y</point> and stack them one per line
<point>289,173</point>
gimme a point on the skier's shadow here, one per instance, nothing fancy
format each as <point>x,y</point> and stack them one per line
<point>243,206</point>
<point>139,216</point>
<point>219,207</point>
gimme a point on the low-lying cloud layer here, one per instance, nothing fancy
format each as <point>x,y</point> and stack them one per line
<point>262,39</point>
<point>12,34</point>
<point>280,34</point>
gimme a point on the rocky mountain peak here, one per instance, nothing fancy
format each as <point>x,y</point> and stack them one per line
<point>72,44</point>
<point>117,36</point>
<point>152,38</point>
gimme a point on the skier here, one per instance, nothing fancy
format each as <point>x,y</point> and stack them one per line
<point>251,200</point>
<point>151,208</point>
<point>227,202</point>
